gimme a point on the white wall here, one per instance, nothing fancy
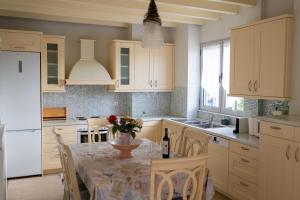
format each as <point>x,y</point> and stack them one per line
<point>220,29</point>
<point>272,8</point>
<point>73,32</point>
<point>295,102</point>
<point>193,71</point>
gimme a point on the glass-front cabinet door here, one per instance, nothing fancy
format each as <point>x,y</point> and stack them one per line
<point>122,65</point>
<point>53,63</point>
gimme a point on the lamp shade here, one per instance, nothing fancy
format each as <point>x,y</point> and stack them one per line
<point>153,35</point>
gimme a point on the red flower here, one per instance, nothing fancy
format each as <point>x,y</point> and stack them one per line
<point>112,119</point>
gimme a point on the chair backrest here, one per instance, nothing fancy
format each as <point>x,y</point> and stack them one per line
<point>94,124</point>
<point>175,135</point>
<point>69,172</point>
<point>195,142</point>
<point>163,171</point>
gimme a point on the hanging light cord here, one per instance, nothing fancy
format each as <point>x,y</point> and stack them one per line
<point>152,14</point>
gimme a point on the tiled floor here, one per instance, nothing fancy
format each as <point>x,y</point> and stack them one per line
<point>45,188</point>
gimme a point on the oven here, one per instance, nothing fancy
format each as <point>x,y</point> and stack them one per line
<point>82,134</point>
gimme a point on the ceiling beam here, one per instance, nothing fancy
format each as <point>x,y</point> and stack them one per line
<point>162,8</point>
<point>67,13</point>
<point>200,5</point>
<point>248,3</point>
<point>60,19</point>
<point>86,11</point>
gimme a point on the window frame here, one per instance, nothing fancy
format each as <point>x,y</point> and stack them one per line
<point>222,93</point>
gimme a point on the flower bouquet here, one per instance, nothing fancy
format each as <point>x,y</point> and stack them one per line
<point>127,128</point>
<point>125,125</point>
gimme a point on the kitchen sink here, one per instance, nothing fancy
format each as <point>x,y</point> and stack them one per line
<point>198,123</point>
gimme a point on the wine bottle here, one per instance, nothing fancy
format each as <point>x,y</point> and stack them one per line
<point>166,145</point>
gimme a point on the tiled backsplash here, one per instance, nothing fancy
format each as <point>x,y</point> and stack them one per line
<point>97,100</point>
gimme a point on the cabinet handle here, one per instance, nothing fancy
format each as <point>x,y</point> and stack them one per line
<point>287,153</point>
<point>245,148</point>
<point>275,127</point>
<point>19,47</point>
<point>244,160</point>
<point>297,154</point>
<point>243,184</point>
<point>151,83</point>
<point>255,86</point>
<point>250,86</point>
<point>155,83</point>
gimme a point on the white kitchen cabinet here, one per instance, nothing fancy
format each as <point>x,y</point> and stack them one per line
<point>296,173</point>
<point>276,168</point>
<point>143,71</point>
<point>121,65</point>
<point>50,155</point>
<point>15,40</point>
<point>137,69</point>
<point>151,130</point>
<point>242,189</point>
<point>163,68</point>
<point>261,59</point>
<point>53,63</point>
<point>241,61</point>
<point>218,159</point>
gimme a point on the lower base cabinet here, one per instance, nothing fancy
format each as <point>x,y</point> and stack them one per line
<point>242,189</point>
<point>151,130</point>
<point>50,156</point>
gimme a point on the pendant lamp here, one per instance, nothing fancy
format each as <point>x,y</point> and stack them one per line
<point>153,35</point>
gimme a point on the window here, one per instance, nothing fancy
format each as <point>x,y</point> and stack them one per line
<point>215,72</point>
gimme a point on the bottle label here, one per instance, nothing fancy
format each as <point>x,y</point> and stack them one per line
<point>165,147</point>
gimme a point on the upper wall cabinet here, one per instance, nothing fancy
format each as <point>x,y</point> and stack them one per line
<point>261,59</point>
<point>14,40</point>
<point>53,63</point>
<point>141,69</point>
<point>121,64</point>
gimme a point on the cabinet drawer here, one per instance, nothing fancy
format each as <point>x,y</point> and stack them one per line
<point>277,130</point>
<point>62,130</point>
<point>297,134</point>
<point>50,147</point>
<point>67,139</point>
<point>243,167</point>
<point>241,189</point>
<point>244,150</point>
<point>51,161</point>
<point>20,41</point>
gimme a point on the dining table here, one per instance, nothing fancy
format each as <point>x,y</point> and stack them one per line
<point>108,177</point>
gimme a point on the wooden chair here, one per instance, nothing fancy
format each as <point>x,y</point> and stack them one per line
<point>195,142</point>
<point>67,189</point>
<point>163,170</point>
<point>94,124</point>
<point>175,135</point>
<point>70,174</point>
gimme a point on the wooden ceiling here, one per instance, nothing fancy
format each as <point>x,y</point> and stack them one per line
<point>122,12</point>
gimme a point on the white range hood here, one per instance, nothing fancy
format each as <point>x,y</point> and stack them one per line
<point>88,71</point>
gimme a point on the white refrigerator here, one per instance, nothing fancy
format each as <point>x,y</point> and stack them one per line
<point>20,112</point>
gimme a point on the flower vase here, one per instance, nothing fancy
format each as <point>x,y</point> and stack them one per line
<point>125,138</point>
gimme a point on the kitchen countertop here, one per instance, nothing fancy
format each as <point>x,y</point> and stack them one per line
<point>227,133</point>
<point>290,120</point>
<point>70,121</point>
